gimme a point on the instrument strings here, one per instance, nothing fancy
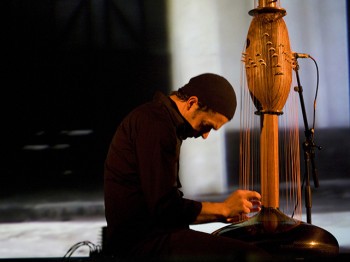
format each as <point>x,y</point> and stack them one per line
<point>289,153</point>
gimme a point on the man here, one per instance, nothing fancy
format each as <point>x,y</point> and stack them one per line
<point>147,215</point>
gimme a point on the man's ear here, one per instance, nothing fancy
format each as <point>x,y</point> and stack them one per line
<point>193,100</point>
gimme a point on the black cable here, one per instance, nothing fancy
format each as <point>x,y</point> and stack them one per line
<point>92,249</point>
<point>316,93</point>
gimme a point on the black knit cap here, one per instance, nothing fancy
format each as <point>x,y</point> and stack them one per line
<point>213,91</point>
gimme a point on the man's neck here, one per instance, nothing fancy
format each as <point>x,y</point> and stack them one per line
<point>181,105</point>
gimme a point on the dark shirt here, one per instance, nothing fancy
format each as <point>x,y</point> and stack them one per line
<point>142,196</point>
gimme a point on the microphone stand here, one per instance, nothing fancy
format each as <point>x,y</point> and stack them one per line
<point>308,147</point>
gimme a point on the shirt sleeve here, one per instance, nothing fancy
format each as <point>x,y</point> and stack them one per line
<point>157,152</point>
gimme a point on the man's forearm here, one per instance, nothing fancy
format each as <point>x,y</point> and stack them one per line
<point>212,212</point>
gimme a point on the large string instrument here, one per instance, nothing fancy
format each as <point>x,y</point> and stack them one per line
<point>268,64</point>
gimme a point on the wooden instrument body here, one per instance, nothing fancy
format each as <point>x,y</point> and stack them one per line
<point>269,64</point>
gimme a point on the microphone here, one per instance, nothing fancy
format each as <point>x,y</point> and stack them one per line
<point>301,55</point>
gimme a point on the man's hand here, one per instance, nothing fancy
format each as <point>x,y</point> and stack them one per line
<point>234,209</point>
<point>240,203</point>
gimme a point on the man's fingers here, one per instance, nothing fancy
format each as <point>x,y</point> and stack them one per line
<point>253,195</point>
<point>255,209</point>
<point>255,203</point>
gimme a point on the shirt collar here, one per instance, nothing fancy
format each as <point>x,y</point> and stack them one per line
<point>183,128</point>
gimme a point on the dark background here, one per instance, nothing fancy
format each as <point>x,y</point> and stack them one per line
<point>69,65</point>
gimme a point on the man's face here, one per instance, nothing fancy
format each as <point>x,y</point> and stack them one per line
<point>203,122</point>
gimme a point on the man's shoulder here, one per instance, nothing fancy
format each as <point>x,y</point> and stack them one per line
<point>152,111</point>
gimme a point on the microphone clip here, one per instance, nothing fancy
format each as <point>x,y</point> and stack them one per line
<point>301,55</point>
